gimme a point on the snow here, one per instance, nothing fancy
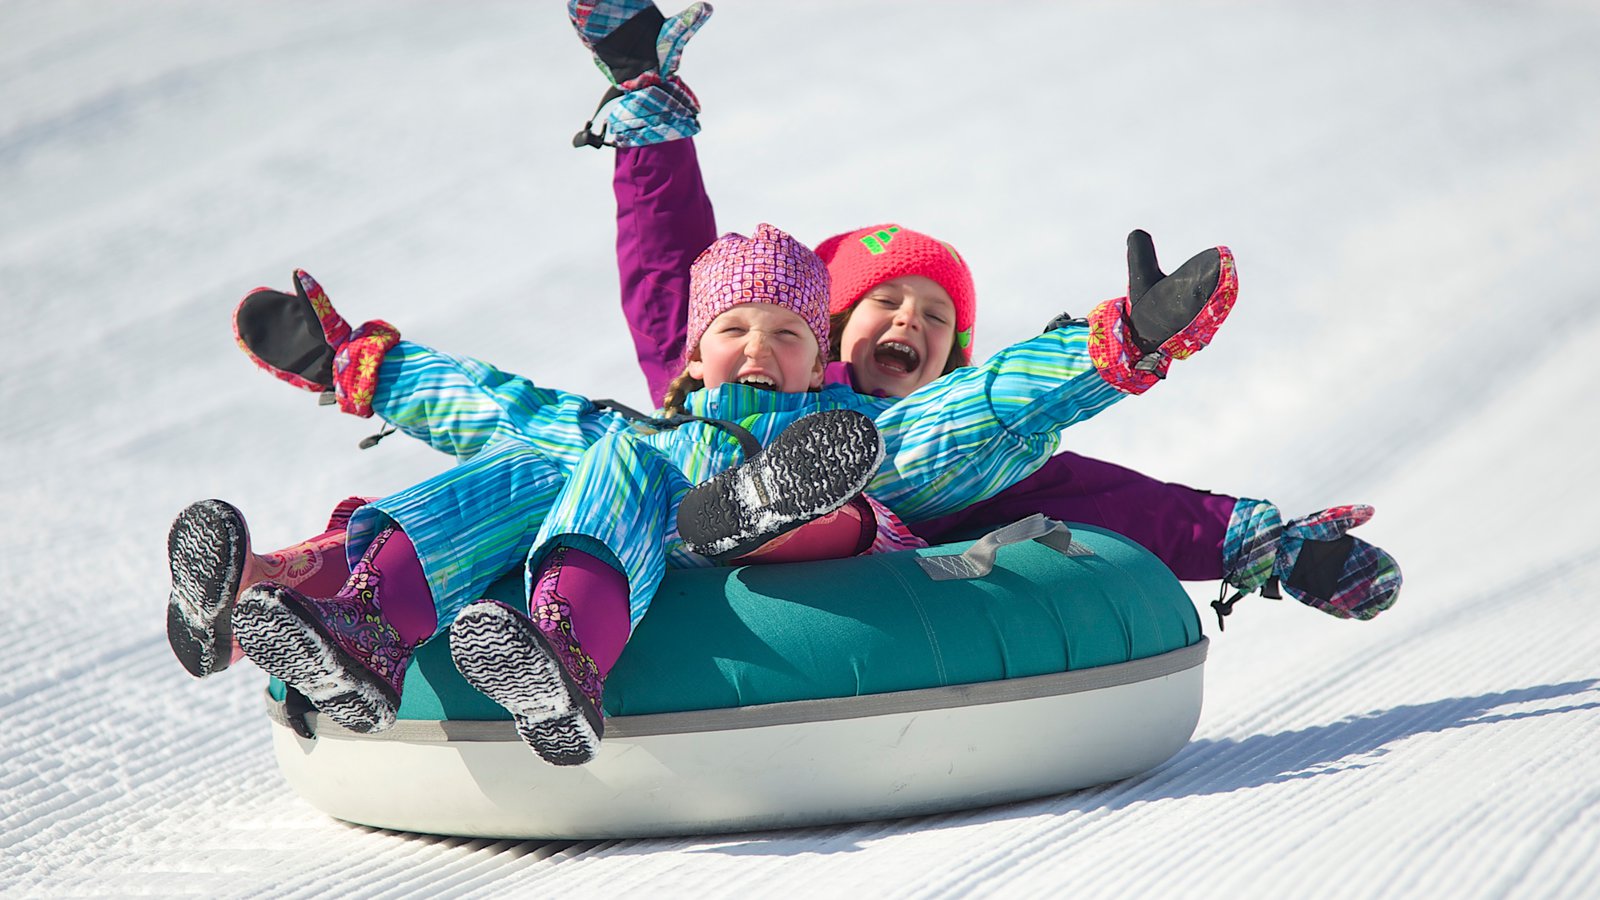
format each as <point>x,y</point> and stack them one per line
<point>1412,193</point>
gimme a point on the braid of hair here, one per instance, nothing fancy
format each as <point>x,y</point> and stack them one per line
<point>682,386</point>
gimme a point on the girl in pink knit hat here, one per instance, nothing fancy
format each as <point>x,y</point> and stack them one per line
<point>903,309</point>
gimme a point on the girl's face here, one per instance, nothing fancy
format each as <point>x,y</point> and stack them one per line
<point>899,336</point>
<point>762,345</point>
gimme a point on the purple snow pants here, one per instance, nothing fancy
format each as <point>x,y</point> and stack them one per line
<point>664,220</point>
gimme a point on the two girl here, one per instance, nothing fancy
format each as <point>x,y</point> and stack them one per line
<point>603,499</point>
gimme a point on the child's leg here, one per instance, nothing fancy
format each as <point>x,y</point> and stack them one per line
<point>599,557</point>
<point>810,469</point>
<point>847,531</point>
<point>317,565</point>
<point>1182,526</point>
<point>548,669</point>
<point>664,221</point>
<point>419,556</point>
<point>863,526</point>
<point>620,505</point>
<point>209,553</point>
<point>469,524</point>
<point>347,653</point>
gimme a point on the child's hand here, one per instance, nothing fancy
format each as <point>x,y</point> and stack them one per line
<point>301,339</point>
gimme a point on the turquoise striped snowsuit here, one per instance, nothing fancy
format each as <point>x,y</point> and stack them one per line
<point>963,438</point>
<point>516,444</point>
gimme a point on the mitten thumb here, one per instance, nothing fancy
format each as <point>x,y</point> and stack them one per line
<point>1143,270</point>
<point>1327,524</point>
<point>675,35</point>
<point>334,328</point>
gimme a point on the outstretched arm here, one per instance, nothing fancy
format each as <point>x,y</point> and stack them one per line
<point>980,429</point>
<point>455,404</point>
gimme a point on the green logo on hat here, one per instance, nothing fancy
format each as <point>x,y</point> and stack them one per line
<point>878,241</point>
<point>964,339</point>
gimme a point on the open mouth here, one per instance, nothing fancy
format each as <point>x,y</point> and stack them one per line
<point>760,381</point>
<point>897,357</point>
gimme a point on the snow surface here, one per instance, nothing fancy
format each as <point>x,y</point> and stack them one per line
<point>1412,192</point>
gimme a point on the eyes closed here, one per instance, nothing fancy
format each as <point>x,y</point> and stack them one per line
<point>937,314</point>
<point>734,330</point>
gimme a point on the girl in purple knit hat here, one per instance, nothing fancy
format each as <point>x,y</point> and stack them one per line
<point>757,328</point>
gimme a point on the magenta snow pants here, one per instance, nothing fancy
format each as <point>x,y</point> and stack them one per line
<point>664,220</point>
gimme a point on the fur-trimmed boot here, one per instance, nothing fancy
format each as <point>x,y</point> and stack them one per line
<point>302,340</point>
<point>548,670</point>
<point>638,49</point>
<point>346,654</point>
<point>1313,558</point>
<point>817,465</point>
<point>208,551</point>
<point>1134,339</point>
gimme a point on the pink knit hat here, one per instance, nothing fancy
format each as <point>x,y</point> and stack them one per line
<point>770,267</point>
<point>861,260</point>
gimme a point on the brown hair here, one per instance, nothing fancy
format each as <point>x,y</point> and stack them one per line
<point>672,402</point>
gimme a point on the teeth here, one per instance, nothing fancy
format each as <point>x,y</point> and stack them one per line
<point>758,381</point>
<point>907,354</point>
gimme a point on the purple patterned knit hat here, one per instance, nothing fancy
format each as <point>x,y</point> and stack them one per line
<point>770,267</point>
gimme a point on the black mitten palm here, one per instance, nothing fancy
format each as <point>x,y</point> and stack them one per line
<point>301,339</point>
<point>293,336</point>
<point>1161,305</point>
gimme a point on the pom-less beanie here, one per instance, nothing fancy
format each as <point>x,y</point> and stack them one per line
<point>860,260</point>
<point>768,267</point>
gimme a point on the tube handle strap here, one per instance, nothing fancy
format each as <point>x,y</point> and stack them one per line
<point>977,561</point>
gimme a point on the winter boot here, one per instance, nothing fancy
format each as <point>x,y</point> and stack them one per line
<point>813,468</point>
<point>343,654</point>
<point>638,49</point>
<point>1133,340</point>
<point>1313,558</point>
<point>847,531</point>
<point>538,669</point>
<point>302,340</point>
<point>208,550</point>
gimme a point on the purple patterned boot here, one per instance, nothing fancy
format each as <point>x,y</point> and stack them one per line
<point>342,653</point>
<point>536,668</point>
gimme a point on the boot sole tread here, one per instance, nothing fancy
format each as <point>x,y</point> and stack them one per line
<point>206,550</point>
<point>293,649</point>
<point>504,658</point>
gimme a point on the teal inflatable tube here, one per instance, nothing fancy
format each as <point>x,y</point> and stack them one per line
<point>803,646</point>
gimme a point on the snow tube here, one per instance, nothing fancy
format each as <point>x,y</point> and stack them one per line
<point>1028,663</point>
